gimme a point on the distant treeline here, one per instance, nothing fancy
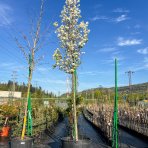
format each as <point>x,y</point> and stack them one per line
<point>136,88</point>
<point>36,92</point>
<point>137,92</point>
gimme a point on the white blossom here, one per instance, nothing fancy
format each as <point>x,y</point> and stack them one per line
<point>73,35</point>
<point>55,24</point>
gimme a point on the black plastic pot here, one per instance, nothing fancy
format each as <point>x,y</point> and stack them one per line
<point>4,142</point>
<point>18,143</point>
<point>81,143</point>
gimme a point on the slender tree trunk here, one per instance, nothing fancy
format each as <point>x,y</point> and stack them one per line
<point>74,107</point>
<point>25,116</point>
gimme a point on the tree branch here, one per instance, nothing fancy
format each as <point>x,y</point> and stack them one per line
<point>37,34</point>
<point>22,49</point>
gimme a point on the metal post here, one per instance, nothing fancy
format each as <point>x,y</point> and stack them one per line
<point>130,81</point>
<point>115,115</point>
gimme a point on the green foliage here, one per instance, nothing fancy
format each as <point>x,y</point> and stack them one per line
<point>79,101</point>
<point>43,116</point>
<point>8,110</point>
<point>139,92</point>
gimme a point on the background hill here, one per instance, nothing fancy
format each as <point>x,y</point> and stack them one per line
<point>138,92</point>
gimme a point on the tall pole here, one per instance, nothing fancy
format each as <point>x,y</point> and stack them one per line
<point>12,91</point>
<point>130,82</point>
<point>115,115</point>
<point>130,78</point>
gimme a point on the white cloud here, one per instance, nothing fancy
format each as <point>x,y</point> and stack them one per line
<point>62,82</point>
<point>5,15</point>
<point>99,18</point>
<point>91,73</point>
<point>118,57</point>
<point>146,60</point>
<point>140,66</point>
<point>12,66</point>
<point>128,42</point>
<point>43,69</point>
<point>108,49</point>
<point>135,33</point>
<point>43,80</point>
<point>116,53</point>
<point>143,51</point>
<point>121,18</point>
<point>7,64</point>
<point>112,59</point>
<point>121,10</point>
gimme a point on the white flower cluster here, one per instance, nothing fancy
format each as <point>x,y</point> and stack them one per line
<point>73,36</point>
<point>55,24</point>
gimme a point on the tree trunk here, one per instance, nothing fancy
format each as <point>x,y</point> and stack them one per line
<point>25,116</point>
<point>74,106</point>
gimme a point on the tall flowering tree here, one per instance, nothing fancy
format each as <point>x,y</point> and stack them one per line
<point>73,35</point>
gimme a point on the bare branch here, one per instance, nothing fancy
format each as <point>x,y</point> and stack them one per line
<point>22,49</point>
<point>43,43</point>
<point>37,34</point>
<point>28,45</point>
<point>39,59</point>
<point>46,30</point>
<point>32,30</point>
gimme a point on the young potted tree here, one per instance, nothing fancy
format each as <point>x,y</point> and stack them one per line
<point>33,45</point>
<point>72,35</point>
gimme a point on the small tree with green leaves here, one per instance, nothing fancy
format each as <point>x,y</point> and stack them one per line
<point>72,35</point>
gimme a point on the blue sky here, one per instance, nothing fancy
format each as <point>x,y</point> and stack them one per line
<point>119,29</point>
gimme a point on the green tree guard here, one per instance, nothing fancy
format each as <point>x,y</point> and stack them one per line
<point>29,111</point>
<point>75,92</point>
<point>29,117</point>
<point>115,114</point>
